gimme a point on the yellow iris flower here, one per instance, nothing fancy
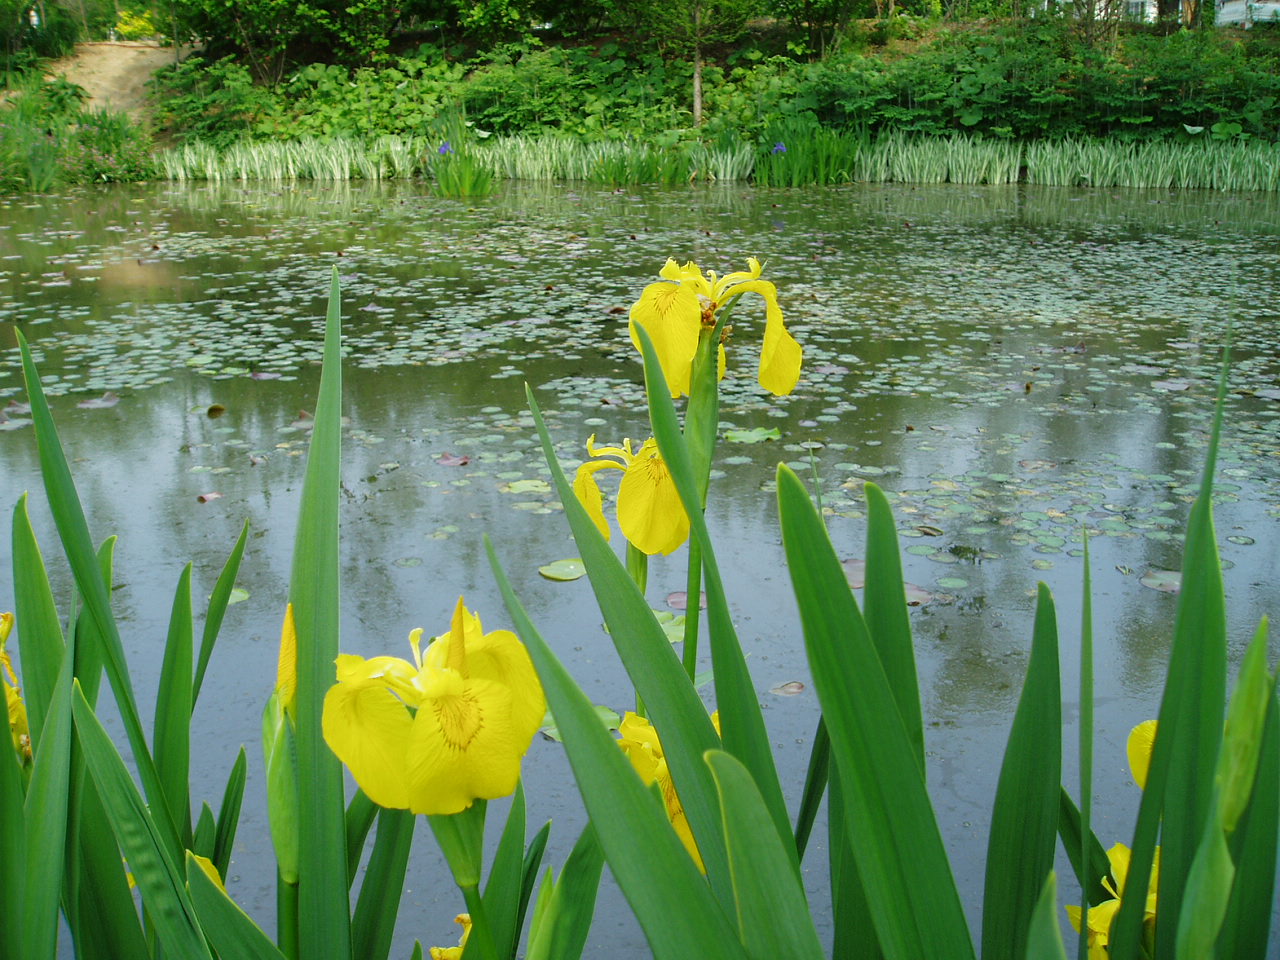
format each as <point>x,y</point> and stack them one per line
<point>435,735</point>
<point>1141,740</point>
<point>13,695</point>
<point>639,741</point>
<point>675,312</point>
<point>649,509</point>
<point>455,953</point>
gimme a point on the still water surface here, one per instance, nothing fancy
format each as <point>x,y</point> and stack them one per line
<point>1013,365</point>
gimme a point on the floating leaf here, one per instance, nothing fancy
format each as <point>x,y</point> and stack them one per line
<point>680,600</point>
<point>788,689</point>
<point>103,402</point>
<point>453,459</point>
<point>855,571</point>
<point>1166,581</point>
<point>916,595</point>
<point>952,583</point>
<point>237,595</point>
<point>526,486</point>
<point>215,410</point>
<point>754,435</point>
<point>206,497</point>
<point>563,570</point>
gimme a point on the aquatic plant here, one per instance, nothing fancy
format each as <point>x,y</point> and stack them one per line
<point>1210,793</point>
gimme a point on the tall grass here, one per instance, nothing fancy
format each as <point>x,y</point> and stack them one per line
<point>788,157</point>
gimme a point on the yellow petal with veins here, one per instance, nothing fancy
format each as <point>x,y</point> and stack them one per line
<point>1142,739</point>
<point>463,744</point>
<point>649,509</point>
<point>671,314</point>
<point>367,727</point>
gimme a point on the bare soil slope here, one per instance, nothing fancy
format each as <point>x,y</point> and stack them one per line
<point>115,74</point>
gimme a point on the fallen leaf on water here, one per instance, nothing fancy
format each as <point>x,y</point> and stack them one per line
<point>453,459</point>
<point>788,689</point>
<point>1166,581</point>
<point>206,497</point>
<point>103,402</point>
<point>855,571</point>
<point>680,600</point>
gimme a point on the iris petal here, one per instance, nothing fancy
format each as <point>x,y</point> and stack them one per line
<point>649,509</point>
<point>367,726</point>
<point>671,314</point>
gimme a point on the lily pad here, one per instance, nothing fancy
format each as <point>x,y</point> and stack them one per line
<point>238,595</point>
<point>564,570</point>
<point>1166,581</point>
<point>754,435</point>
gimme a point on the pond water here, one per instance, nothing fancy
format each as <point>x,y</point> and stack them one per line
<point>1013,365</point>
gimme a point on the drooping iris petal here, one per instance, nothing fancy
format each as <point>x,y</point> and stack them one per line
<point>671,314</point>
<point>1142,739</point>
<point>367,727</point>
<point>649,509</point>
<point>780,356</point>
<point>463,744</point>
<point>587,490</point>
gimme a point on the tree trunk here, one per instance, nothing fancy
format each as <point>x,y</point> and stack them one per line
<point>697,86</point>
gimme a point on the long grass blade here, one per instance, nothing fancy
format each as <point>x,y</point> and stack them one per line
<point>506,878</point>
<point>673,704</point>
<point>173,708</point>
<point>324,909</point>
<point>379,902</point>
<point>901,860</point>
<point>1246,928</point>
<point>68,516</point>
<point>678,913</point>
<point>741,723</point>
<point>1176,800</point>
<point>36,616</point>
<point>229,815</point>
<point>360,815</point>
<point>218,601</point>
<point>163,891</point>
<point>1024,821</point>
<point>1070,831</point>
<point>231,931</point>
<point>1044,940</point>
<point>1086,737</point>
<point>885,612</point>
<point>773,914</point>
<point>45,815</point>
<point>563,918</point>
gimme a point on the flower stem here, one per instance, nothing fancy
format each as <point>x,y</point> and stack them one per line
<point>638,566</point>
<point>481,936</point>
<point>287,917</point>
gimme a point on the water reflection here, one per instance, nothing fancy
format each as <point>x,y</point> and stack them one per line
<point>1013,365</point>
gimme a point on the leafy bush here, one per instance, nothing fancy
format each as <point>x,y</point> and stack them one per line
<point>215,102</point>
<point>47,138</point>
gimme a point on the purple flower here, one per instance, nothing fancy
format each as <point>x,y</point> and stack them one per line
<point>445,148</point>
<point>779,147</point>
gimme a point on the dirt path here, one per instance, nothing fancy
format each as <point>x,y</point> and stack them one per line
<point>115,74</point>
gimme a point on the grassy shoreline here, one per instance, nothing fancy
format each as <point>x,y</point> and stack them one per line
<point>822,157</point>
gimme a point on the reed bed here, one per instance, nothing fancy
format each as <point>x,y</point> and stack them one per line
<point>800,158</point>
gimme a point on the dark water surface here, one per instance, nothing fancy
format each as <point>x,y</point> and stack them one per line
<point>1013,365</point>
